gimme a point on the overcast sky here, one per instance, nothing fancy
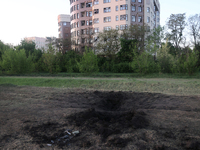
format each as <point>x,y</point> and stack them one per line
<point>27,18</point>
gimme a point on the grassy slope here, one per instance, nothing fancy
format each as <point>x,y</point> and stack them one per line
<point>159,85</point>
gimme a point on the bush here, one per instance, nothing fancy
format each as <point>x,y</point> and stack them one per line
<point>123,67</point>
<point>17,62</point>
<point>165,59</point>
<point>88,63</point>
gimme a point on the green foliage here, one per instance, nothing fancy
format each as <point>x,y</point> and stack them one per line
<point>71,59</point>
<point>123,67</point>
<point>126,53</point>
<point>165,59</point>
<point>28,46</point>
<point>51,60</point>
<point>88,63</point>
<point>186,64</point>
<point>144,63</point>
<point>16,62</point>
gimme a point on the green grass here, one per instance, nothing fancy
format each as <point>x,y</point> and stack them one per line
<point>110,75</point>
<point>158,85</point>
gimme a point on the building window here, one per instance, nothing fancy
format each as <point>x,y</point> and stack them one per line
<point>157,13</point>
<point>78,33</point>
<point>124,26</point>
<point>133,8</point>
<point>82,40</point>
<point>107,19</point>
<point>82,14</point>
<point>82,22</point>
<point>77,24</point>
<point>117,27</point>
<point>139,1</point>
<point>96,11</point>
<point>117,18</point>
<point>124,7</point>
<point>107,28</point>
<point>64,23</point>
<point>74,16</point>
<point>123,17</point>
<point>77,15</point>
<point>148,19</point>
<point>90,13</point>
<point>90,22</point>
<point>158,20</point>
<point>96,30</point>
<point>107,9</point>
<point>82,5</point>
<point>148,9</point>
<point>96,2</point>
<point>139,19</point>
<point>133,18</point>
<point>106,1</point>
<point>140,9</point>
<point>116,8</point>
<point>77,6</point>
<point>87,22</point>
<point>83,31</point>
<point>133,1</point>
<point>96,20</point>
<point>89,4</point>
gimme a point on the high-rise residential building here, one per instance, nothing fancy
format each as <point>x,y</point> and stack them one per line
<point>92,16</point>
<point>64,27</point>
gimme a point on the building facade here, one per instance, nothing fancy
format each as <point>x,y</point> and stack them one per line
<point>64,28</point>
<point>64,32</point>
<point>92,16</point>
<point>40,42</point>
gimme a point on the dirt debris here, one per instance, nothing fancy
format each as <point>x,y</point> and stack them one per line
<point>33,117</point>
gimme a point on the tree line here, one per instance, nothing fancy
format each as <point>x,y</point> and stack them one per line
<point>136,49</point>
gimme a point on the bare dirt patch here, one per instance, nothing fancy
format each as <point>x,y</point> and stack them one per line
<point>54,118</point>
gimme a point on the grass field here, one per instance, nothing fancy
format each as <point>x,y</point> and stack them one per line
<point>178,86</point>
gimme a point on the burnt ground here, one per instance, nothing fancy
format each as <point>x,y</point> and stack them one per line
<point>53,118</point>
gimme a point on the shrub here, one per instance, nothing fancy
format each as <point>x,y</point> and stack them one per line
<point>88,63</point>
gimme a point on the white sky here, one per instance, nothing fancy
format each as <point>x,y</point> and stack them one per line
<point>27,18</point>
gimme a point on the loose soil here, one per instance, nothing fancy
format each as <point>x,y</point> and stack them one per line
<point>55,118</point>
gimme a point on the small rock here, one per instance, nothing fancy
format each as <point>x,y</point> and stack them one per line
<point>49,144</point>
<point>75,132</point>
<point>64,137</point>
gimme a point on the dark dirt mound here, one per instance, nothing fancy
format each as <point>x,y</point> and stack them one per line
<point>80,119</point>
<point>105,122</point>
<point>111,101</point>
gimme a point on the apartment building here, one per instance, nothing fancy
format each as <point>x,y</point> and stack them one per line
<point>93,16</point>
<point>64,28</point>
<point>40,42</point>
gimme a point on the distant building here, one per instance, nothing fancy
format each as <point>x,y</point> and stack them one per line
<point>64,28</point>
<point>40,42</point>
<point>64,31</point>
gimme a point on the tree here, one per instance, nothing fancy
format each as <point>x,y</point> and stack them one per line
<point>51,60</point>
<point>16,61</point>
<point>137,33</point>
<point>194,28</point>
<point>89,62</point>
<point>165,59</point>
<point>176,24</point>
<point>28,46</point>
<point>63,45</point>
<point>107,43</point>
